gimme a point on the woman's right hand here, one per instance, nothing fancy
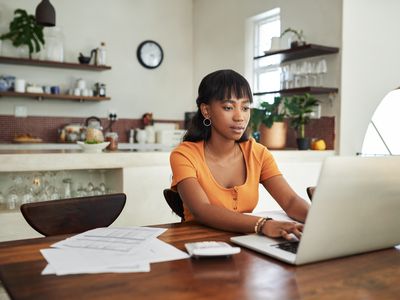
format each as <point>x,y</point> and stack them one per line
<point>275,229</point>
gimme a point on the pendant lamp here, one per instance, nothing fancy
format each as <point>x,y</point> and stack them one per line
<point>45,14</point>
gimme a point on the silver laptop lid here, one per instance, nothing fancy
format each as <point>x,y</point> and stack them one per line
<point>355,208</point>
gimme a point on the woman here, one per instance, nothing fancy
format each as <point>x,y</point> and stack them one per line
<point>217,168</point>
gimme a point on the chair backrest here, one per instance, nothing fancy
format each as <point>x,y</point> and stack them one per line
<point>174,201</point>
<point>73,215</point>
<point>310,191</point>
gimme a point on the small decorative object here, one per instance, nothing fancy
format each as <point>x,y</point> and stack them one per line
<point>86,59</point>
<point>150,54</point>
<point>272,129</point>
<point>299,37</point>
<point>112,137</point>
<point>147,119</point>
<point>101,55</point>
<point>100,89</point>
<point>299,107</point>
<point>24,31</point>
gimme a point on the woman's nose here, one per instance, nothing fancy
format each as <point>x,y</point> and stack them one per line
<point>238,115</point>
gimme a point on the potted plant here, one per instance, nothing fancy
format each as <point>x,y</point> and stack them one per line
<point>300,41</point>
<point>298,108</point>
<point>272,129</point>
<point>24,31</point>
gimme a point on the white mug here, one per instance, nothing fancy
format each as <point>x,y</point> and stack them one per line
<point>19,85</point>
<point>141,136</point>
<point>151,134</point>
<point>275,43</point>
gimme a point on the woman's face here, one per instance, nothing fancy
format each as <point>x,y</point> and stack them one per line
<point>229,118</point>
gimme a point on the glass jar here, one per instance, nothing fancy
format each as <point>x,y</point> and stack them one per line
<point>112,137</point>
<point>54,46</point>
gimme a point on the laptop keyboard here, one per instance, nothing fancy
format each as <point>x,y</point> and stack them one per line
<point>288,246</point>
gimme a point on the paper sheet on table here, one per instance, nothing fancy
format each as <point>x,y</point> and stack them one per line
<point>154,251</point>
<point>72,261</point>
<point>274,214</point>
<point>120,239</point>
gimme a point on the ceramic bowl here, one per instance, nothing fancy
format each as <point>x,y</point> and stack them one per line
<point>84,59</point>
<point>94,148</point>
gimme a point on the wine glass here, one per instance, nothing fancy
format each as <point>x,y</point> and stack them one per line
<point>12,198</point>
<point>322,69</point>
<point>2,200</point>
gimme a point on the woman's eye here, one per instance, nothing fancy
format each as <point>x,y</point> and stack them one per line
<point>246,108</point>
<point>227,107</point>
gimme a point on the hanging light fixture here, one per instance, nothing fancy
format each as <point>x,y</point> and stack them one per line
<point>45,14</point>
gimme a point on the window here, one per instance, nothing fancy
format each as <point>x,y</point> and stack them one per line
<point>382,137</point>
<point>266,76</point>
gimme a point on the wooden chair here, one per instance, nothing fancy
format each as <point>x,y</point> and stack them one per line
<point>73,215</point>
<point>174,201</point>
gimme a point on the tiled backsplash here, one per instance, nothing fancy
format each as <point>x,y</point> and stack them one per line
<point>47,128</point>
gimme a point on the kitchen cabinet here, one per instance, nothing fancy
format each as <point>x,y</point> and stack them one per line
<point>142,176</point>
<point>292,54</point>
<point>52,64</point>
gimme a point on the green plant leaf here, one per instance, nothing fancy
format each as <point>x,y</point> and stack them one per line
<point>25,31</point>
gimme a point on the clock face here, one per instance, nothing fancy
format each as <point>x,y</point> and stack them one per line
<point>150,54</point>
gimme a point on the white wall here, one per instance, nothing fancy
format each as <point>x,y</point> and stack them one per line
<point>221,34</point>
<point>370,67</point>
<point>219,28</point>
<point>123,25</point>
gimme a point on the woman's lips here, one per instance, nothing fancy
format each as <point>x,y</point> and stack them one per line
<point>238,129</point>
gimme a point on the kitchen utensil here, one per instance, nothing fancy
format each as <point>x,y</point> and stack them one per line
<point>93,148</point>
<point>140,136</point>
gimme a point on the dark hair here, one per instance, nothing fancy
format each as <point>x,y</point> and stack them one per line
<point>216,86</point>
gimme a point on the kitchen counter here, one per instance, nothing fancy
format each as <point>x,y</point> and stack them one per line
<point>51,159</point>
<point>141,175</point>
<point>73,146</point>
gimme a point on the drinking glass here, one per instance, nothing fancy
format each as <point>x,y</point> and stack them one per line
<point>2,201</point>
<point>322,69</point>
<point>67,187</point>
<point>12,199</point>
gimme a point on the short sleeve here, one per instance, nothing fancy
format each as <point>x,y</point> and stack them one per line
<point>182,168</point>
<point>269,168</point>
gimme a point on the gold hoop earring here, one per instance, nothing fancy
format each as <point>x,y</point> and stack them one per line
<point>207,122</point>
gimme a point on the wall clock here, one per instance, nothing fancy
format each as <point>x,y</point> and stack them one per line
<point>150,54</point>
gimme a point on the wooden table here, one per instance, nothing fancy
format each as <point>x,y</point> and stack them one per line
<point>247,275</point>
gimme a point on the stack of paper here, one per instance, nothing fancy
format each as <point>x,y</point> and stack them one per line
<point>112,249</point>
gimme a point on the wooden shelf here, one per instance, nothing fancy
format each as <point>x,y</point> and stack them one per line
<point>42,96</point>
<point>308,50</point>
<point>51,64</point>
<point>298,91</point>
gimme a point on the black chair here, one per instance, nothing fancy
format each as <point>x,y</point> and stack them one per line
<point>73,215</point>
<point>174,201</point>
<point>310,191</point>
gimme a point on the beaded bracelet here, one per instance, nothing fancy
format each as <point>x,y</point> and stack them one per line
<point>261,225</point>
<point>257,224</point>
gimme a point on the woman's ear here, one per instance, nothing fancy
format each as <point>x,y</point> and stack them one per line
<point>204,108</point>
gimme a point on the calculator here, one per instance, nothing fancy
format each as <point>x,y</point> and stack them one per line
<point>211,249</point>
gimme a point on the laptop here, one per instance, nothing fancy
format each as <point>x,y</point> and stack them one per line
<point>355,209</point>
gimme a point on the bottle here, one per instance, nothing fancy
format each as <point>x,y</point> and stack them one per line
<point>131,136</point>
<point>101,55</point>
<point>112,137</point>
